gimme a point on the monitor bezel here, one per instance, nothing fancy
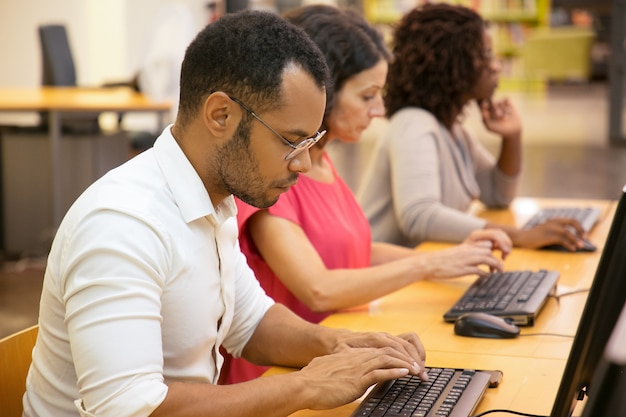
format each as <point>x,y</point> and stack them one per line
<point>606,298</point>
<point>606,396</point>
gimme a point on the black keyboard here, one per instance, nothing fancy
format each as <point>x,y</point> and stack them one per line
<point>447,393</point>
<point>586,216</point>
<point>516,295</point>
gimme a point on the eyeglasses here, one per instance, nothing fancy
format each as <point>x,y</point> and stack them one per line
<point>296,149</point>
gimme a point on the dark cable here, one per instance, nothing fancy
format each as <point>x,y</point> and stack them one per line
<point>508,412</point>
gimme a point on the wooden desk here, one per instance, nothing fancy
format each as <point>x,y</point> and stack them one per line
<point>532,364</point>
<point>58,100</point>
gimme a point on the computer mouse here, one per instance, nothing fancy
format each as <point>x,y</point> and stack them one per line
<point>485,325</point>
<point>588,246</point>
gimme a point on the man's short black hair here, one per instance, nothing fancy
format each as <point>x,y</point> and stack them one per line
<point>245,54</point>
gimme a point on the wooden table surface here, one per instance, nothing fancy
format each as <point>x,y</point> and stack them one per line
<point>77,99</point>
<point>58,100</point>
<point>532,364</point>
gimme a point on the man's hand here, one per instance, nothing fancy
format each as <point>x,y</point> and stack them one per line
<point>342,377</point>
<point>408,345</point>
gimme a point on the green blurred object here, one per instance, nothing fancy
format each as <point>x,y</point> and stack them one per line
<point>558,54</point>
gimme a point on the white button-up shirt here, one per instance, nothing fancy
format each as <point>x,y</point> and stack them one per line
<point>145,281</point>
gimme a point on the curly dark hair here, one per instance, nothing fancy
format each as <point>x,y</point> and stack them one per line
<point>438,57</point>
<point>349,43</point>
<point>245,54</point>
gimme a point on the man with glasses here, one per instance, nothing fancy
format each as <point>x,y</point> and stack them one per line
<point>297,148</point>
<point>145,282</point>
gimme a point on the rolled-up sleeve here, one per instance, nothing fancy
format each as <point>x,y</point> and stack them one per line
<point>113,290</point>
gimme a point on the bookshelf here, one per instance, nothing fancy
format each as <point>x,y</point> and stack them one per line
<point>534,12</point>
<point>512,22</point>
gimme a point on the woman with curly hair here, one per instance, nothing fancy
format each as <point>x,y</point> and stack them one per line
<point>427,169</point>
<point>312,251</point>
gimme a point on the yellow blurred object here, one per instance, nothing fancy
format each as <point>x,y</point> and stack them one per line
<point>558,54</point>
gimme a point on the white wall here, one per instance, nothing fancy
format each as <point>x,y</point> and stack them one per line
<point>107,36</point>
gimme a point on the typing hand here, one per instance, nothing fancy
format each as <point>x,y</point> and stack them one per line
<point>408,345</point>
<point>342,377</point>
<point>557,231</point>
<point>496,239</point>
<point>468,258</point>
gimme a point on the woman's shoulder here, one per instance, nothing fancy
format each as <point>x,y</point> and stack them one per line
<point>413,122</point>
<point>412,112</point>
<point>416,119</point>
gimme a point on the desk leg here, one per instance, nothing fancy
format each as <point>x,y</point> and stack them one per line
<point>160,121</point>
<point>54,126</point>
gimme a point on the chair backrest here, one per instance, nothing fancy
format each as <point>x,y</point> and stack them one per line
<point>15,358</point>
<point>56,57</point>
<point>58,70</point>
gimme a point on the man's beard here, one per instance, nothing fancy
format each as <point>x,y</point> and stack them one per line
<point>238,171</point>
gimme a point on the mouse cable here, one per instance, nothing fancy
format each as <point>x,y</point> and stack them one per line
<point>565,294</point>
<point>518,413</point>
<point>546,334</point>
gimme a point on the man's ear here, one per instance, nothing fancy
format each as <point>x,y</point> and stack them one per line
<point>221,115</point>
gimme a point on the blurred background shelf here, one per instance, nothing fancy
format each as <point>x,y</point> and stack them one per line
<point>537,41</point>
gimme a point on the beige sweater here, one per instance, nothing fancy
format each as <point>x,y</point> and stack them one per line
<point>421,181</point>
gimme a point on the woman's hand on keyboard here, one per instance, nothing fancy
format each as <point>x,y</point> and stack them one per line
<point>557,231</point>
<point>495,239</point>
<point>476,258</point>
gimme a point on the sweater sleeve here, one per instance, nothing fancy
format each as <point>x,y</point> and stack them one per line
<point>417,187</point>
<point>497,190</point>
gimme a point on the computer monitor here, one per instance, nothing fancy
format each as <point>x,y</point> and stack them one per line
<point>604,304</point>
<point>606,394</point>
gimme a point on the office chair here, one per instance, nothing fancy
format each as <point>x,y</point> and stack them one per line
<point>57,60</point>
<point>15,358</point>
<point>58,70</point>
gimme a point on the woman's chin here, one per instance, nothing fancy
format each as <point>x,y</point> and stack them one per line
<point>354,138</point>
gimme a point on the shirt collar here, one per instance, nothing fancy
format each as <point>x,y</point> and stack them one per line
<point>189,192</point>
